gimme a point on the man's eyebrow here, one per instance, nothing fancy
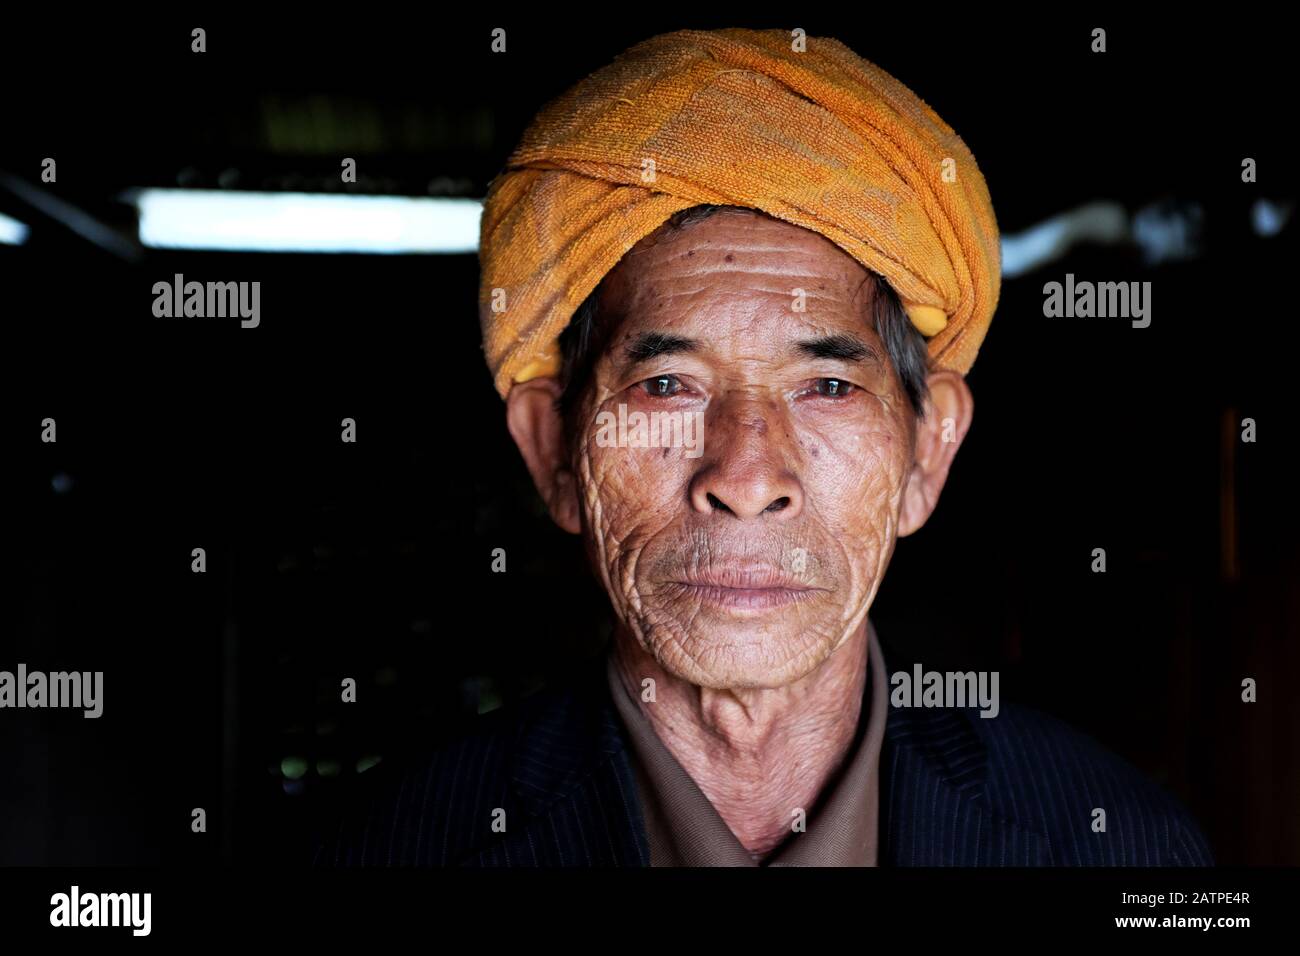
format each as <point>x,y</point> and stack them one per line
<point>847,348</point>
<point>650,345</point>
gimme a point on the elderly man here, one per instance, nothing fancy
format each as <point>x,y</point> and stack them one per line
<point>779,254</point>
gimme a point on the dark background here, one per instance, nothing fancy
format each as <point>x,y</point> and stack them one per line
<point>373,560</point>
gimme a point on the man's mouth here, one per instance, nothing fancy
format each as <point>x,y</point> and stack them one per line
<point>749,589</point>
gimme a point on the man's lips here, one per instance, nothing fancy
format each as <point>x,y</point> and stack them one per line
<point>747,589</point>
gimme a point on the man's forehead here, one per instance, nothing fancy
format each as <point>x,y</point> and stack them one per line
<point>735,241</point>
<point>775,279</point>
<point>743,269</point>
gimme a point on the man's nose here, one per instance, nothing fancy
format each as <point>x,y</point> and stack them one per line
<point>746,469</point>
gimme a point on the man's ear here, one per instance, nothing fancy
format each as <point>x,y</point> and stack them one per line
<point>948,413</point>
<point>538,430</point>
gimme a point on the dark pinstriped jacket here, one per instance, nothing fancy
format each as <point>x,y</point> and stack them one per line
<point>956,790</point>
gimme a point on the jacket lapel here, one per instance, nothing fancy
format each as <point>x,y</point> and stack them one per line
<point>575,787</point>
<point>934,802</point>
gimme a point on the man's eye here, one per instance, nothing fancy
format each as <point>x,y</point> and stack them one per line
<point>662,386</point>
<point>834,387</point>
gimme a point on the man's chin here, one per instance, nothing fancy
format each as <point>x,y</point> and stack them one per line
<point>725,654</point>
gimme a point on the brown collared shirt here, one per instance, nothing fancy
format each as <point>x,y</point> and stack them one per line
<point>685,829</point>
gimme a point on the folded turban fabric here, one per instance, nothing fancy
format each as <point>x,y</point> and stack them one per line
<point>819,137</point>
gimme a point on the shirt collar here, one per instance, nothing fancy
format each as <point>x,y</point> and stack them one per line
<point>684,828</point>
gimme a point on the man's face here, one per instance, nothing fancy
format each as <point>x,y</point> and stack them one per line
<point>749,564</point>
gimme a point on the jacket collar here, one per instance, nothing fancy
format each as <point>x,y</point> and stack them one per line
<point>570,741</point>
<point>934,808</point>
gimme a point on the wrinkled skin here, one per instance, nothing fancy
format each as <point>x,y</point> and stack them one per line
<point>742,578</point>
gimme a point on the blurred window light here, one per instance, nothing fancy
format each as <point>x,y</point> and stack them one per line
<point>12,232</point>
<point>1168,230</point>
<point>1268,218</point>
<point>1100,222</point>
<point>305,222</point>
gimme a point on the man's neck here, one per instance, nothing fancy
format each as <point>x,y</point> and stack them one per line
<point>758,755</point>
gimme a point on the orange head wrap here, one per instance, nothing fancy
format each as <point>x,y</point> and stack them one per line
<point>808,132</point>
